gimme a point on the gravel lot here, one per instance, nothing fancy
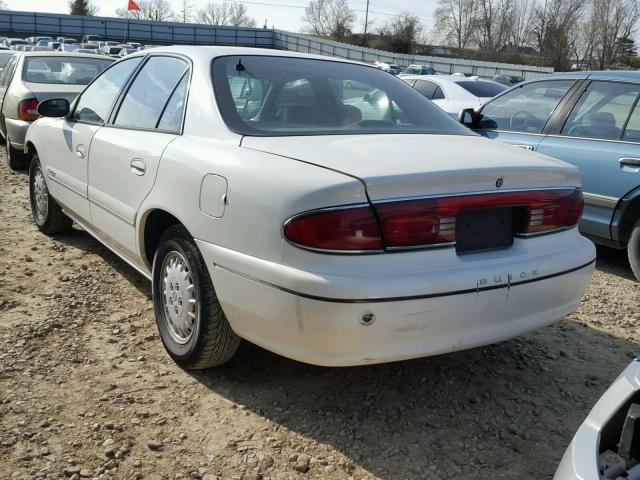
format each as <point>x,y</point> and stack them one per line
<point>86,390</point>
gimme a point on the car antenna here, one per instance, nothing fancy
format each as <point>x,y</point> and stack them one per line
<point>240,67</point>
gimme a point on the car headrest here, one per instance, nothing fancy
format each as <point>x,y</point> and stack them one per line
<point>604,119</point>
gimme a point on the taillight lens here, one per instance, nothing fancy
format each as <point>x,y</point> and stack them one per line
<point>433,221</point>
<point>347,229</point>
<point>430,221</point>
<point>28,110</point>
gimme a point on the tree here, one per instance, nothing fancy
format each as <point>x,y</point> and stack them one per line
<point>455,21</point>
<point>401,33</point>
<point>226,13</point>
<point>186,11</point>
<point>149,10</point>
<point>521,23</point>
<point>78,7</point>
<point>329,18</point>
<point>613,23</point>
<point>3,5</point>
<point>493,23</point>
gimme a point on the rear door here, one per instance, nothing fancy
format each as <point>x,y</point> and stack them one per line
<point>65,148</point>
<point>5,80</point>
<point>601,136</point>
<point>125,154</point>
<point>519,116</point>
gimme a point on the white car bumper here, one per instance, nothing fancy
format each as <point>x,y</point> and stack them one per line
<point>580,461</point>
<point>452,303</point>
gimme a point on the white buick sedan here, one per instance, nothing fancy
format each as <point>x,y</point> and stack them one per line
<point>264,204</point>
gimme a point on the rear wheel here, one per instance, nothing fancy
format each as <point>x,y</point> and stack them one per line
<point>633,250</point>
<point>192,325</point>
<point>47,214</point>
<point>16,159</point>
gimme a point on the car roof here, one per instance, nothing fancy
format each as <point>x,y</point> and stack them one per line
<point>62,54</point>
<point>599,74</point>
<point>206,53</point>
<point>446,78</point>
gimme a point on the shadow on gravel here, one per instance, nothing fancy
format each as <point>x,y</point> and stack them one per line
<point>508,410</point>
<point>82,240</point>
<point>615,262</point>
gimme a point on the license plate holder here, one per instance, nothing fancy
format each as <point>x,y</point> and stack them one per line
<point>485,229</point>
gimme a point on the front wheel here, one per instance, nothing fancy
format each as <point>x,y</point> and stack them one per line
<point>47,213</point>
<point>633,250</point>
<point>192,325</point>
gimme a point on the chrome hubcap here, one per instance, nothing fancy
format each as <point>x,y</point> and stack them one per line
<point>178,294</point>
<point>41,195</point>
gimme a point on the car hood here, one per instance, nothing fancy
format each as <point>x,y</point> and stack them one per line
<point>394,166</point>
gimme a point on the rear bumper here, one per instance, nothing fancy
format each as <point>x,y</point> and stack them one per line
<point>16,131</point>
<point>580,461</point>
<point>318,318</point>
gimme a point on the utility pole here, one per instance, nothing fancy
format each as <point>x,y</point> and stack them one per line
<point>366,24</point>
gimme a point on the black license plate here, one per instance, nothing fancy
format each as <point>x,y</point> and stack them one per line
<point>486,229</point>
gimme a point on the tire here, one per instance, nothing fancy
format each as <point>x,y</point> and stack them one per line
<point>46,212</point>
<point>633,250</point>
<point>16,159</point>
<point>193,328</point>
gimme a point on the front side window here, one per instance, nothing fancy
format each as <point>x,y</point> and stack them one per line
<point>261,95</point>
<point>150,91</point>
<point>96,101</point>
<point>63,70</point>
<point>525,109</point>
<point>601,111</point>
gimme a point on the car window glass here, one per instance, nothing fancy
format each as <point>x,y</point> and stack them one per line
<point>525,109</point>
<point>482,89</point>
<point>96,101</point>
<point>426,88</point>
<point>144,102</point>
<point>63,70</point>
<point>632,132</point>
<point>7,72</point>
<point>438,94</point>
<point>172,116</point>
<point>601,111</point>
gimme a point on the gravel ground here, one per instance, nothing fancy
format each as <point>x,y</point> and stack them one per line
<point>86,390</point>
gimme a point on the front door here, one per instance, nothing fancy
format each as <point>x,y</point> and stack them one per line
<point>519,116</point>
<point>125,155</point>
<point>600,136</point>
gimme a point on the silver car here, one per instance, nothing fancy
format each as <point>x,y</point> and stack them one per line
<point>31,77</point>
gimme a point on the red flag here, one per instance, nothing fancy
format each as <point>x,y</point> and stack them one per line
<point>133,5</point>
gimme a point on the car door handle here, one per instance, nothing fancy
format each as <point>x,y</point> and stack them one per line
<point>138,167</point>
<point>80,151</point>
<point>525,147</point>
<point>632,161</point>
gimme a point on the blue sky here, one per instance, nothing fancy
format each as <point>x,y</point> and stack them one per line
<point>285,15</point>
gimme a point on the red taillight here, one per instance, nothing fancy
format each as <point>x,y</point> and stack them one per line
<point>28,110</point>
<point>433,221</point>
<point>347,229</point>
<point>430,221</point>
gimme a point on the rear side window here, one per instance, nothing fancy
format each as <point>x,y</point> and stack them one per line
<point>632,132</point>
<point>427,89</point>
<point>601,111</point>
<point>482,89</point>
<point>526,108</point>
<point>98,98</point>
<point>171,119</point>
<point>438,94</point>
<point>150,92</point>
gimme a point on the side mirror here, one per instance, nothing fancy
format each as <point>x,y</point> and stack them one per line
<point>56,107</point>
<point>469,117</point>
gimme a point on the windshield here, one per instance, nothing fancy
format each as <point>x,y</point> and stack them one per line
<point>63,70</point>
<point>482,89</point>
<point>271,96</point>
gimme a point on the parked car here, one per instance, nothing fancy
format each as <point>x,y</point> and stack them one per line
<point>12,43</point>
<point>389,67</point>
<point>607,444</point>
<point>5,55</point>
<point>418,70</point>
<point>354,251</point>
<point>108,43</point>
<point>37,40</point>
<point>91,39</point>
<point>508,80</point>
<point>68,47</point>
<point>127,50</point>
<point>55,45</point>
<point>67,40</point>
<point>112,51</point>
<point>592,121</point>
<point>454,93</point>
<point>31,77</point>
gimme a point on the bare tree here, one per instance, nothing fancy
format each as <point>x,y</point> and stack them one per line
<point>554,26</point>
<point>186,11</point>
<point>149,10</point>
<point>493,23</point>
<point>329,18</point>
<point>226,13</point>
<point>613,22</point>
<point>455,21</point>
<point>521,23</point>
<point>401,33</point>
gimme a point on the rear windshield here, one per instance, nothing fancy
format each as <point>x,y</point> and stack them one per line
<point>63,70</point>
<point>271,96</point>
<point>482,89</point>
